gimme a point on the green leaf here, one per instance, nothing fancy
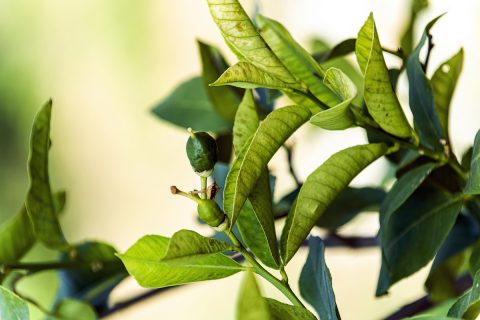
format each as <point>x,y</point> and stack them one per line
<point>296,59</point>
<point>255,222</point>
<point>70,309</point>
<point>188,106</point>
<point>343,48</point>
<point>444,81</point>
<point>157,261</point>
<point>243,39</point>
<point>40,202</point>
<point>17,236</point>
<point>468,305</point>
<point>402,190</point>
<point>282,311</point>
<point>421,98</point>
<point>417,6</point>
<point>248,76</point>
<point>427,317</point>
<point>338,117</point>
<point>224,99</point>
<point>316,282</point>
<point>12,307</point>
<point>320,189</point>
<point>473,182</point>
<point>252,306</point>
<point>93,283</point>
<point>380,98</point>
<point>423,222</point>
<point>349,203</point>
<point>257,152</point>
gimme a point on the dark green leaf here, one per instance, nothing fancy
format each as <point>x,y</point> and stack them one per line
<point>70,309</point>
<point>381,100</point>
<point>12,307</point>
<point>320,189</point>
<point>468,306</point>
<point>444,81</point>
<point>316,282</point>
<point>40,202</point>
<point>349,203</point>
<point>188,106</point>
<point>296,59</point>
<point>343,48</point>
<point>224,99</point>
<point>94,282</point>
<point>157,261</point>
<point>243,39</point>
<point>421,98</point>
<point>423,222</point>
<point>338,117</point>
<point>473,182</point>
<point>257,152</point>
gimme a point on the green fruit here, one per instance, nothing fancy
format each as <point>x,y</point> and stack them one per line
<point>210,212</point>
<point>202,152</point>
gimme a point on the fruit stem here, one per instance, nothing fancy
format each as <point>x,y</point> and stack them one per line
<point>175,190</point>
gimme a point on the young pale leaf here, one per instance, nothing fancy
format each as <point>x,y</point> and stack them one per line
<point>157,261</point>
<point>444,81</point>
<point>17,236</point>
<point>320,189</point>
<point>338,117</point>
<point>12,307</point>
<point>421,98</point>
<point>251,305</point>
<point>349,203</point>
<point>248,76</point>
<point>224,99</point>
<point>188,106</point>
<point>380,98</point>
<point>91,284</point>
<point>296,59</point>
<point>40,202</point>
<point>468,305</point>
<point>403,189</point>
<point>70,309</point>
<point>316,282</point>
<point>242,37</point>
<point>473,182</point>
<point>414,232</point>
<point>257,152</point>
<point>255,222</point>
<point>282,311</point>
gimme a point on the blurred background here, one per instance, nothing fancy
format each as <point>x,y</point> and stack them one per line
<point>106,63</point>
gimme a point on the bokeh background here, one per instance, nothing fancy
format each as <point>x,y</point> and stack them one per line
<point>106,63</point>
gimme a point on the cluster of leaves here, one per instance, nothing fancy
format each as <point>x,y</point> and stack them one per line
<point>432,211</point>
<point>87,271</point>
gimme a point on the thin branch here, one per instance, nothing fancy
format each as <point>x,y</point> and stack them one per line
<point>429,51</point>
<point>289,151</point>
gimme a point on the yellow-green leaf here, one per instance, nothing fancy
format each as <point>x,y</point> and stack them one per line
<point>12,307</point>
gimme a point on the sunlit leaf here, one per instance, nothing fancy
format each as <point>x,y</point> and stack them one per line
<point>296,59</point>
<point>70,309</point>
<point>320,189</point>
<point>468,305</point>
<point>257,152</point>
<point>444,81</point>
<point>421,98</point>
<point>12,307</point>
<point>473,182</point>
<point>157,261</point>
<point>224,99</point>
<point>380,98</point>
<point>255,222</point>
<point>316,282</point>
<point>414,233</point>
<point>244,40</point>
<point>338,117</point>
<point>40,202</point>
<point>188,106</point>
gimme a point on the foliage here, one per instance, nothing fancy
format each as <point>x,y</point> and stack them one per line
<point>432,211</point>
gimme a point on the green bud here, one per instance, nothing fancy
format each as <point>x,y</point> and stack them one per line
<point>210,212</point>
<point>202,152</point>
